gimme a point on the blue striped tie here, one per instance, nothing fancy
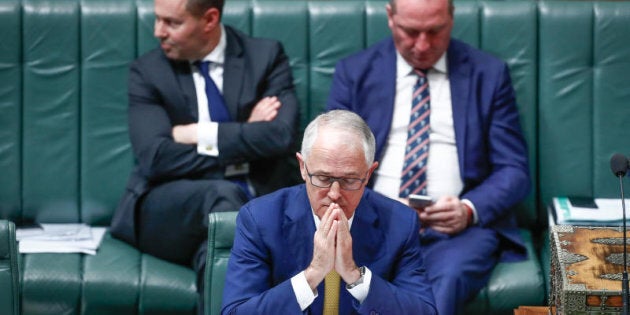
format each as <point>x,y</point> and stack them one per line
<point>414,178</point>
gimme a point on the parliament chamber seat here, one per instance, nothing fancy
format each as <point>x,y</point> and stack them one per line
<point>65,153</point>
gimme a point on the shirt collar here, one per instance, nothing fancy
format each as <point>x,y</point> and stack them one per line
<point>217,55</point>
<point>404,69</point>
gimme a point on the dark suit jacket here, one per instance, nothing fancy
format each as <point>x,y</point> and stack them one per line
<point>162,94</point>
<point>491,149</point>
<point>274,242</point>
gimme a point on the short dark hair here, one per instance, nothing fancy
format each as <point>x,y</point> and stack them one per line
<point>199,7</point>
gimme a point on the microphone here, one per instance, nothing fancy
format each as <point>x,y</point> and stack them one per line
<point>619,166</point>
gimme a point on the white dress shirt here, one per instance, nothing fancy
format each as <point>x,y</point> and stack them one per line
<point>443,173</point>
<point>207,130</point>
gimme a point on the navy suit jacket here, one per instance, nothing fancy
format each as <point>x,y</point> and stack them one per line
<point>491,148</point>
<point>162,94</point>
<point>274,242</point>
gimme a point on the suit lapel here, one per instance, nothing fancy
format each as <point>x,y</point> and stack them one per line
<point>367,239</point>
<point>385,76</point>
<point>298,229</point>
<point>459,76</point>
<point>233,72</point>
<point>368,245</point>
<point>186,85</point>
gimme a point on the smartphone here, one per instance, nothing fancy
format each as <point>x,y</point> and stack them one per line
<point>420,201</point>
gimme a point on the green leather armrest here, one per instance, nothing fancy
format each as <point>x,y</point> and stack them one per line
<point>9,273</point>
<point>221,228</point>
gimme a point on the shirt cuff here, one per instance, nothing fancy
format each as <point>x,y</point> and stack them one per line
<point>207,138</point>
<point>303,293</point>
<point>474,210</point>
<point>360,292</point>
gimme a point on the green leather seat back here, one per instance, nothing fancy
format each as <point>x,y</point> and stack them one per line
<point>9,271</point>
<point>288,23</point>
<point>51,111</point>
<point>10,110</point>
<point>584,96</point>
<point>508,30</point>
<point>221,229</point>
<point>105,156</point>
<point>583,100</point>
<point>75,155</point>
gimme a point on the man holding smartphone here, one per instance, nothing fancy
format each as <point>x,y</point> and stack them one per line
<point>446,124</point>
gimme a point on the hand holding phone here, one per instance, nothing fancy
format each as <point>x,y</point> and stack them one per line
<point>420,201</point>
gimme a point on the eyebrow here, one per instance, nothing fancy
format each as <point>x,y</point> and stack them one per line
<point>324,173</point>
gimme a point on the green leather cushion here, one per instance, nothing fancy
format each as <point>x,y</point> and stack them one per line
<point>221,229</point>
<point>117,280</point>
<point>511,285</point>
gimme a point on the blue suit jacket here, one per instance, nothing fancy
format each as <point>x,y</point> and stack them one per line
<point>274,242</point>
<point>490,145</point>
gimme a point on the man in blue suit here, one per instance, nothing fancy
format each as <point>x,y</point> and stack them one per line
<point>286,243</point>
<point>475,158</point>
<point>195,153</point>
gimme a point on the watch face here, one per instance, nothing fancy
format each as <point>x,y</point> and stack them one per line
<point>362,273</point>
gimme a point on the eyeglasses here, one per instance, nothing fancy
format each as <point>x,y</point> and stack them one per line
<point>346,183</point>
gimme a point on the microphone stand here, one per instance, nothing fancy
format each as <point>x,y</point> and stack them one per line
<point>624,276</point>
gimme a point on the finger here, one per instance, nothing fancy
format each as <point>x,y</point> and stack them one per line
<point>271,115</point>
<point>327,218</point>
<point>332,235</point>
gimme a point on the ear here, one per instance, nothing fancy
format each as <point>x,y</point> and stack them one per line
<point>300,159</point>
<point>211,19</point>
<point>390,15</point>
<point>371,170</point>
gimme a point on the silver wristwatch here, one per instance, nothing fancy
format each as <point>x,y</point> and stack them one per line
<point>356,283</point>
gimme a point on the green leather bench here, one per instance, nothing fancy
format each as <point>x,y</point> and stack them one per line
<point>584,102</point>
<point>65,154</point>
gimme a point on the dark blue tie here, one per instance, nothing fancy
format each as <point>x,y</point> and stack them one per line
<point>219,113</point>
<point>216,105</point>
<point>414,178</point>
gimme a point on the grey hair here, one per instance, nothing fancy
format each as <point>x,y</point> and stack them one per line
<point>451,6</point>
<point>340,120</point>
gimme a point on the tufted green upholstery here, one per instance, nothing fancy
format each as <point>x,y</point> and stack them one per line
<point>65,154</point>
<point>584,100</point>
<point>9,273</point>
<point>221,229</point>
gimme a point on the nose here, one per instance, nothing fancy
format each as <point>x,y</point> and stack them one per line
<point>334,191</point>
<point>422,42</point>
<point>158,29</point>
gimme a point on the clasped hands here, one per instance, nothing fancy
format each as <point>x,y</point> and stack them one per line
<point>332,249</point>
<point>265,110</point>
<point>447,215</point>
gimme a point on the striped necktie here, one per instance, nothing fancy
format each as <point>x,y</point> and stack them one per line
<point>413,177</point>
<point>216,104</point>
<point>331,293</point>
